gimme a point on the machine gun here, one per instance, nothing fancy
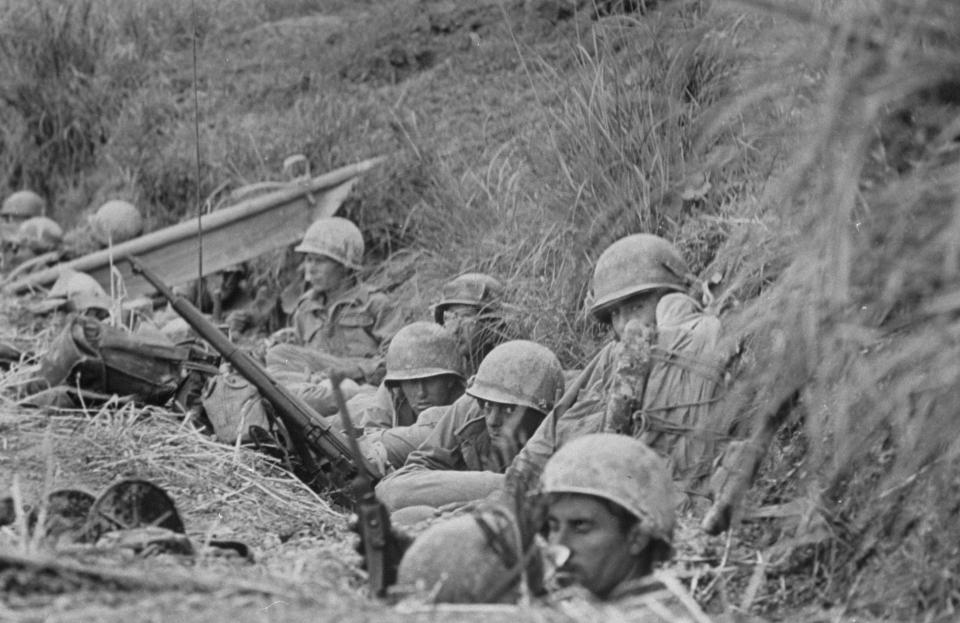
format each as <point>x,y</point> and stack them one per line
<point>381,549</point>
<point>309,433</point>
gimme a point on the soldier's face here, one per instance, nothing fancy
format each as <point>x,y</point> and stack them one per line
<point>462,321</point>
<point>322,273</point>
<point>601,555</point>
<point>642,307</point>
<point>434,391</point>
<point>454,314</point>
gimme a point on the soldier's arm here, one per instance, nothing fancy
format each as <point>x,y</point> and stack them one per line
<point>372,410</point>
<point>389,318</point>
<point>401,441</point>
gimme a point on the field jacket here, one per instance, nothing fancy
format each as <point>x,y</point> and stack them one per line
<point>355,323</point>
<point>673,418</point>
<point>454,463</point>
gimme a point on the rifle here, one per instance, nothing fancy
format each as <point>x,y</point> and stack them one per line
<point>309,431</point>
<point>381,550</point>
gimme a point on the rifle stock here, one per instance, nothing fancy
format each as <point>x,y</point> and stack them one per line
<point>308,429</point>
<point>380,550</point>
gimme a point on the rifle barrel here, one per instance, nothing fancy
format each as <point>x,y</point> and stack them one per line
<point>300,414</point>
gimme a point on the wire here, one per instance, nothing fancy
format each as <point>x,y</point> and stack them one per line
<point>196,133</point>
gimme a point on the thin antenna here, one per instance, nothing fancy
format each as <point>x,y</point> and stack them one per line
<point>196,133</point>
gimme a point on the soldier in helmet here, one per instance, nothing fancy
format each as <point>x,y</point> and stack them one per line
<point>608,509</point>
<point>36,243</point>
<point>337,323</point>
<point>471,558</point>
<point>470,307</point>
<point>17,208</point>
<point>423,371</point>
<point>476,437</point>
<point>656,382</point>
<point>76,292</point>
<point>114,222</point>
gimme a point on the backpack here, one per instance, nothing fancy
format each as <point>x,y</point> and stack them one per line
<point>233,405</point>
<point>98,357</point>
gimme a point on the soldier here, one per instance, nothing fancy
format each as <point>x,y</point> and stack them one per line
<point>76,292</point>
<point>423,371</point>
<point>38,239</point>
<point>656,382</point>
<point>608,504</point>
<point>610,512</point>
<point>470,559</point>
<point>17,208</point>
<point>477,436</point>
<point>337,323</point>
<point>471,309</point>
<point>114,222</point>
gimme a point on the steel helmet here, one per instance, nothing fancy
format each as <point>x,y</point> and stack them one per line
<point>40,234</point>
<point>116,221</point>
<point>82,290</point>
<point>421,350</point>
<point>476,289</point>
<point>23,204</point>
<point>633,265</point>
<point>336,238</point>
<point>467,559</point>
<point>620,469</point>
<point>519,372</point>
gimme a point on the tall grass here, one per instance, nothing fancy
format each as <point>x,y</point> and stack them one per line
<point>856,322</point>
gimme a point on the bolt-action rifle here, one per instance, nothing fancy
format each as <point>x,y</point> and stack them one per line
<point>310,434</point>
<point>381,549</point>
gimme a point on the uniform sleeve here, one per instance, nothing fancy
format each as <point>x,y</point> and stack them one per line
<point>440,449</point>
<point>388,321</point>
<point>400,441</point>
<point>577,408</point>
<point>372,409</point>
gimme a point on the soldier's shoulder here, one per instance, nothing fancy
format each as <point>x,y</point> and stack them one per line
<point>660,596</point>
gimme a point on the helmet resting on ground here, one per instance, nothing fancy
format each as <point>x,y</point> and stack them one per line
<point>633,265</point>
<point>519,372</point>
<point>116,221</point>
<point>336,238</point>
<point>620,469</point>
<point>421,350</point>
<point>40,234</point>
<point>477,289</point>
<point>23,204</point>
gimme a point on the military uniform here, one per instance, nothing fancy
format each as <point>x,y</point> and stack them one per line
<point>686,373</point>
<point>387,449</point>
<point>646,598</point>
<point>454,463</point>
<point>343,331</point>
<point>459,462</point>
